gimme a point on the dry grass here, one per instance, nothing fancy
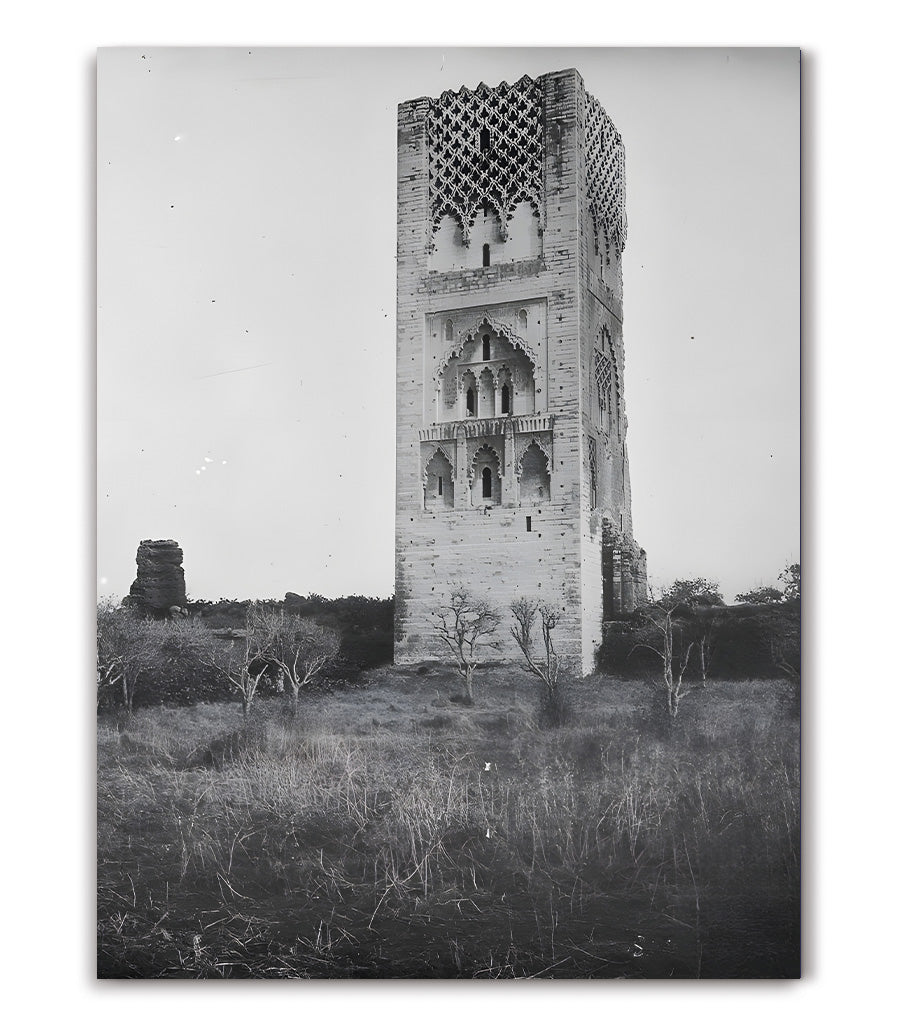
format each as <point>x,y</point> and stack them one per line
<point>367,839</point>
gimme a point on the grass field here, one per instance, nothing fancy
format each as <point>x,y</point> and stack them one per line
<point>389,832</point>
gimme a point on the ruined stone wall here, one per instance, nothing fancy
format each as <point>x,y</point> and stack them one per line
<point>159,585</point>
<point>609,585</point>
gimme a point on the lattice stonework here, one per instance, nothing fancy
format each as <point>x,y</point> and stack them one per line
<point>605,156</point>
<point>603,370</point>
<point>502,167</point>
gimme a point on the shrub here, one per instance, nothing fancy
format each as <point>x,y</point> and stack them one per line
<point>759,641</point>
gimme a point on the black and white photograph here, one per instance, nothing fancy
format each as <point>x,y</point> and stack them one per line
<point>448,512</point>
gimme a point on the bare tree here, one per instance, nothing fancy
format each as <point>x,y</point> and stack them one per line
<point>235,654</point>
<point>546,666</point>
<point>704,649</point>
<point>465,625</point>
<point>661,619</point>
<point>299,647</point>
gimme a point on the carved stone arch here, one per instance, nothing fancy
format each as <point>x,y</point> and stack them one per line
<point>534,474</point>
<point>485,474</point>
<point>437,479</point>
<point>487,391</point>
<point>604,351</point>
<point>449,209</point>
<point>471,334</point>
<point>488,373</point>
<point>432,453</point>
<point>489,207</point>
<point>474,458</point>
<point>523,443</point>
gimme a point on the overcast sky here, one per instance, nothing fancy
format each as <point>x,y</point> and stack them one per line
<point>246,275</point>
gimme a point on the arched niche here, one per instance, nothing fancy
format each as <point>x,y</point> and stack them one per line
<point>605,386</point>
<point>534,478</point>
<point>485,477</point>
<point>505,392</point>
<point>448,250</point>
<point>509,236</point>
<point>468,396</point>
<point>438,481</point>
<point>486,394</point>
<point>494,346</point>
<point>523,233</point>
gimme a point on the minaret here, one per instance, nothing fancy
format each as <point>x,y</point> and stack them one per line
<point>512,470</point>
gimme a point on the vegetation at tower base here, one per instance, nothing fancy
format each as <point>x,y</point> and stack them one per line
<point>466,625</point>
<point>744,641</point>
<point>387,832</point>
<point>378,829</point>
<point>545,665</point>
<point>660,617</point>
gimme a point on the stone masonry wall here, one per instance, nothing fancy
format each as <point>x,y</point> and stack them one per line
<point>486,546</point>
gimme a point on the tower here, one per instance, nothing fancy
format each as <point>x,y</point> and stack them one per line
<point>512,468</point>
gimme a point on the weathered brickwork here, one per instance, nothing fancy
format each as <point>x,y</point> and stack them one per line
<point>512,471</point>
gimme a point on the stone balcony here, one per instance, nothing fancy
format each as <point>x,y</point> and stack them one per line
<point>517,424</point>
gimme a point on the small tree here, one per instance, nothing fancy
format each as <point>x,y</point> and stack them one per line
<point>299,647</point>
<point>546,666</point>
<point>706,623</point>
<point>126,648</point>
<point>661,617</point>
<point>692,592</point>
<point>689,598</point>
<point>240,661</point>
<point>465,626</point>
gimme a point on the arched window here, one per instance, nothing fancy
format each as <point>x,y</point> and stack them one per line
<point>485,348</point>
<point>470,402</point>
<point>486,255</point>
<point>504,400</point>
<point>522,322</point>
<point>485,469</point>
<point>448,330</point>
<point>438,482</point>
<point>484,139</point>
<point>603,371</point>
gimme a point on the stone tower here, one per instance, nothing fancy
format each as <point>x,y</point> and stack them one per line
<point>512,469</point>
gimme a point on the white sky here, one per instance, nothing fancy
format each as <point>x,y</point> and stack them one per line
<point>246,279</point>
